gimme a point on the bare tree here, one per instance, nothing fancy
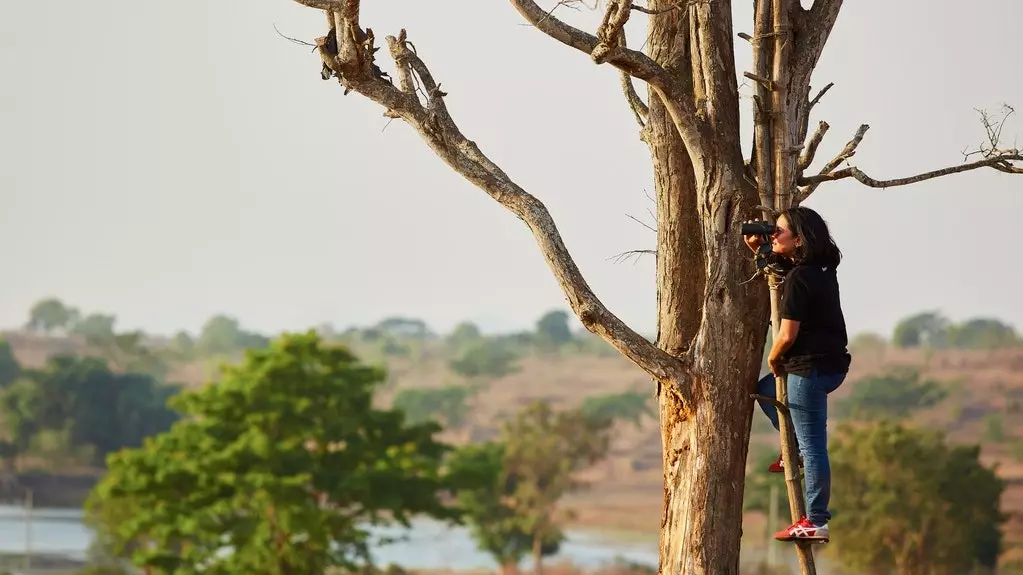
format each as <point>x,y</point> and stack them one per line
<point>711,320</point>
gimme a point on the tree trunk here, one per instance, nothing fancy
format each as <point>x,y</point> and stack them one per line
<point>537,554</point>
<point>510,567</point>
<point>699,259</point>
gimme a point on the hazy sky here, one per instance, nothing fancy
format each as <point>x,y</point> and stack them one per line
<point>166,161</point>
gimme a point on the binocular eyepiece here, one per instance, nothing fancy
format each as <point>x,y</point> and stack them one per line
<point>758,228</point>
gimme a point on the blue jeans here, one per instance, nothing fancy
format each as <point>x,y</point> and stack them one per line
<point>808,404</point>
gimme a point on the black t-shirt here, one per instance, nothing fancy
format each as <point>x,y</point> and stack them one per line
<point>811,297</point>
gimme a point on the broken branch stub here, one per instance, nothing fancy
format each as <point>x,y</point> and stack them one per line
<point>353,63</point>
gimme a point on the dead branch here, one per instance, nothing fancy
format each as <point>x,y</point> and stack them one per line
<point>625,256</point>
<point>655,12</point>
<point>814,26</point>
<point>328,5</point>
<point>611,28</point>
<point>293,40</point>
<point>639,108</point>
<point>818,97</point>
<point>432,120</point>
<point>847,152</point>
<point>1001,163</point>
<point>677,100</point>
<point>811,146</point>
<point>634,62</point>
<point>765,82</point>
<point>993,130</point>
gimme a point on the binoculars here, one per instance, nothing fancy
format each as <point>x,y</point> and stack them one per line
<point>758,228</point>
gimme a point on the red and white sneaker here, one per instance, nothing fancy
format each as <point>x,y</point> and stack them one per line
<point>803,530</point>
<point>778,466</point>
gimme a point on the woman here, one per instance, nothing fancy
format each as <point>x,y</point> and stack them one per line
<point>810,348</point>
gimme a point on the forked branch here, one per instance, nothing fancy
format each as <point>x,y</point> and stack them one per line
<point>356,71</point>
<point>634,62</point>
<point>1002,163</point>
<point>993,156</point>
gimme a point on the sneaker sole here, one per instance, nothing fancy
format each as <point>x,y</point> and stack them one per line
<point>804,539</point>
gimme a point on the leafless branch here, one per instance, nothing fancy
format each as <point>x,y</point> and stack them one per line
<point>765,82</point>
<point>818,97</point>
<point>639,108</point>
<point>994,156</point>
<point>779,405</point>
<point>811,146</point>
<point>993,129</point>
<point>847,152</point>
<point>678,101</point>
<point>654,12</point>
<point>1000,163</point>
<point>357,72</point>
<point>625,256</point>
<point>814,26</point>
<point>645,225</point>
<point>328,5</point>
<point>294,40</point>
<point>635,63</point>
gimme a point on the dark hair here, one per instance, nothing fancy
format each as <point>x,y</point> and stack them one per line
<point>818,247</point>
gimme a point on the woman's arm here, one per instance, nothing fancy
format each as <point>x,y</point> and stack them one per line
<point>786,336</point>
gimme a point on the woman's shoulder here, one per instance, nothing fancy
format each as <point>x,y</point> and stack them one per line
<point>807,272</point>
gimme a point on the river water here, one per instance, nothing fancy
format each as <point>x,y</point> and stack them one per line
<point>428,545</point>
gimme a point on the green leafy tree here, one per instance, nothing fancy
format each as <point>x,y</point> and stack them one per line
<point>465,333</point>
<point>405,327</point>
<point>915,504</point>
<point>928,328</point>
<point>982,333</point>
<point>76,407</point>
<point>891,395</point>
<point>871,344</point>
<point>552,330</point>
<point>485,358</point>
<point>286,460</point>
<point>10,369</point>
<point>223,335</point>
<point>994,428</point>
<point>449,404</point>
<point>49,315</point>
<point>129,352</point>
<point>486,499</point>
<point>544,450</point>
<point>95,327</point>
<point>627,406</point>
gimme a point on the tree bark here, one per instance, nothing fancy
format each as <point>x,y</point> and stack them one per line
<point>706,314</point>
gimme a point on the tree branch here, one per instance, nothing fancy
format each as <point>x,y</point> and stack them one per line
<point>436,126</point>
<point>636,104</point>
<point>813,27</point>
<point>1000,163</point>
<point>634,62</point>
<point>811,147</point>
<point>847,152</point>
<point>677,100</point>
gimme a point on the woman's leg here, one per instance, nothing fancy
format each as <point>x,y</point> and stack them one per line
<point>808,403</point>
<point>766,388</point>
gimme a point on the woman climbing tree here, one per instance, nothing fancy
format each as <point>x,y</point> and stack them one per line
<point>810,348</point>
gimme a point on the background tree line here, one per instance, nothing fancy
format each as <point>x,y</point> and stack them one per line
<point>182,466</point>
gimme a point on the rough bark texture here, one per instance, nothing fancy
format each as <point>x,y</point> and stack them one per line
<point>704,440</point>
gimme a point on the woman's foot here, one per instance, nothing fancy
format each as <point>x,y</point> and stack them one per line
<point>803,530</point>
<point>778,466</point>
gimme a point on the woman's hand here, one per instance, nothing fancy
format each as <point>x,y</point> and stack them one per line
<point>754,242</point>
<point>776,365</point>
